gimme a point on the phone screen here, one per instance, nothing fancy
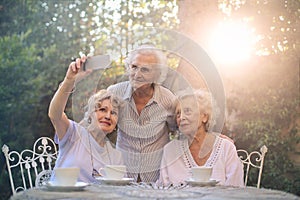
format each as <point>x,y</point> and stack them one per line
<point>97,62</point>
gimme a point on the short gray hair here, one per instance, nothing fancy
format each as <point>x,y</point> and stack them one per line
<point>148,49</point>
<point>205,103</point>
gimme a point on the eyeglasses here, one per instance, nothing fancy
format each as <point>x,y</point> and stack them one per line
<point>145,69</point>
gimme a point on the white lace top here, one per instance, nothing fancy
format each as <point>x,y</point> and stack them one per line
<point>177,161</point>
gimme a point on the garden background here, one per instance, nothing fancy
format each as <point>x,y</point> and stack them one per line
<point>255,45</point>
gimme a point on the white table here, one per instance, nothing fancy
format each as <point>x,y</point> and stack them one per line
<point>134,192</point>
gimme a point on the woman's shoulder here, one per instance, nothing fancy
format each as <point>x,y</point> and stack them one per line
<point>119,85</point>
<point>74,132</point>
<point>164,96</point>
<point>78,127</point>
<point>165,91</point>
<point>120,89</point>
<point>227,143</point>
<point>173,144</point>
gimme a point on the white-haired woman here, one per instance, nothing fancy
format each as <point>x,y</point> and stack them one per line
<point>84,145</point>
<point>147,114</point>
<point>199,146</point>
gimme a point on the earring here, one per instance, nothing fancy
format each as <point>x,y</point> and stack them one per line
<point>89,120</point>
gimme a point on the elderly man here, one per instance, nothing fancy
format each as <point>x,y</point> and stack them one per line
<point>147,117</point>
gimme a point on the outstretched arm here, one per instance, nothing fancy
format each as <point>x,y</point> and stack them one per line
<point>58,103</point>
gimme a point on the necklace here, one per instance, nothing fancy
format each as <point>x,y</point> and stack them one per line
<point>207,146</point>
<point>95,173</point>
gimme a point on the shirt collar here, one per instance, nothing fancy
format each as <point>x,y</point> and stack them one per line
<point>155,98</point>
<point>156,93</point>
<point>128,93</point>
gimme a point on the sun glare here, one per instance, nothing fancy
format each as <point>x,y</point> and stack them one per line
<point>231,42</point>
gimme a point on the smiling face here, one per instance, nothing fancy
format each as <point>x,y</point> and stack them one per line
<point>143,70</point>
<point>106,115</point>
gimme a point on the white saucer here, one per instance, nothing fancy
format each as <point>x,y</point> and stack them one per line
<point>123,181</point>
<point>193,182</point>
<point>51,185</point>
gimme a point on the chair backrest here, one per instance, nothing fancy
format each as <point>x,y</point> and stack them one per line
<point>24,167</point>
<point>253,159</point>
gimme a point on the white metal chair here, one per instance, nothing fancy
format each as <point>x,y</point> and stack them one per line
<point>253,159</point>
<point>33,166</point>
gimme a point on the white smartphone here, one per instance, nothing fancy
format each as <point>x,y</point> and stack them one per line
<point>97,62</point>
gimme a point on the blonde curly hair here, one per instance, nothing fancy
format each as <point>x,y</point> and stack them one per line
<point>94,102</point>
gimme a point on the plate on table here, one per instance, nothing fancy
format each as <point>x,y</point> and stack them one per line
<point>77,187</point>
<point>193,182</point>
<point>123,181</point>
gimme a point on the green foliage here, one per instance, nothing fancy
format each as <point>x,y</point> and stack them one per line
<point>17,61</point>
<point>264,101</point>
<point>268,108</point>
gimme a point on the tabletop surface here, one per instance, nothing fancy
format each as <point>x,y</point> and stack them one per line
<point>148,191</point>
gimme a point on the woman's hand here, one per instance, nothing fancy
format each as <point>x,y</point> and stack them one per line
<point>75,70</point>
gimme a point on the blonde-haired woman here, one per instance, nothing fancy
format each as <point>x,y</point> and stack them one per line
<point>84,145</point>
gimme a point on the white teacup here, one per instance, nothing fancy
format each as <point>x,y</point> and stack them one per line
<point>113,171</point>
<point>66,176</point>
<point>202,173</point>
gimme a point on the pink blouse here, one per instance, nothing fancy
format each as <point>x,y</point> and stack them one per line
<point>177,161</point>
